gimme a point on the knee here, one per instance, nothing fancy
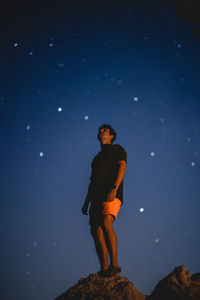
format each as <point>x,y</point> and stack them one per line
<point>107,227</point>
<point>95,230</point>
<point>107,224</point>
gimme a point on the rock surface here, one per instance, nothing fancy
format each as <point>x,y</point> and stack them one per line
<point>95,287</point>
<point>178,285</point>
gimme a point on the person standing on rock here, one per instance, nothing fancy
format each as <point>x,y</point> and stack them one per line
<point>105,192</point>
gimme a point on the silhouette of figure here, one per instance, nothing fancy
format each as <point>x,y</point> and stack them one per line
<point>105,192</point>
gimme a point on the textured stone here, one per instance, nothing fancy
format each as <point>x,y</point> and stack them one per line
<point>178,285</point>
<point>95,287</point>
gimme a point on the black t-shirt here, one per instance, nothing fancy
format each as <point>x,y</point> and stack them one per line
<point>104,172</point>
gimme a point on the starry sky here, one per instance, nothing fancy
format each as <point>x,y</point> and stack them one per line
<point>66,70</point>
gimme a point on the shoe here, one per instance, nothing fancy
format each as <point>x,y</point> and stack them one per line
<point>111,271</point>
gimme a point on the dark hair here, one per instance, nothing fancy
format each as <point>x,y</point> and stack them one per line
<point>112,132</point>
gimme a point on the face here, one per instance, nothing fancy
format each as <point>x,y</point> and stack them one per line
<point>105,136</point>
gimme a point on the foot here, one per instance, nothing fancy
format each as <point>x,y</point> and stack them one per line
<point>102,271</point>
<point>112,270</point>
<point>116,266</point>
<point>104,268</point>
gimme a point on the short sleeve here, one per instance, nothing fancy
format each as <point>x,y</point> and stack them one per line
<point>120,153</point>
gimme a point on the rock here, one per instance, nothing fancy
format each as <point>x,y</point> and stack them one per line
<point>95,287</point>
<point>178,285</point>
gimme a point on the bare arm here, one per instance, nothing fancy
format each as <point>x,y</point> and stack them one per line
<point>89,196</point>
<point>120,174</point>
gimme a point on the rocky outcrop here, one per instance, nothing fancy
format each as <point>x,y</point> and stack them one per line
<point>178,285</point>
<point>96,287</point>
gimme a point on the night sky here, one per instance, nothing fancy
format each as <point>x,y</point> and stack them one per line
<point>66,70</point>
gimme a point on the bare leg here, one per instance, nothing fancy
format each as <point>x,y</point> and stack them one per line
<point>100,245</point>
<point>111,238</point>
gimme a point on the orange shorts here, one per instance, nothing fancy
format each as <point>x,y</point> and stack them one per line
<point>111,207</point>
<point>98,209</point>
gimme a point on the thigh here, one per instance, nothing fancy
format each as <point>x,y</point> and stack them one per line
<point>107,222</point>
<point>95,215</point>
<point>111,208</point>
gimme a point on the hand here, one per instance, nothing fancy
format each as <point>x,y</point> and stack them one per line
<point>111,195</point>
<point>84,210</point>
